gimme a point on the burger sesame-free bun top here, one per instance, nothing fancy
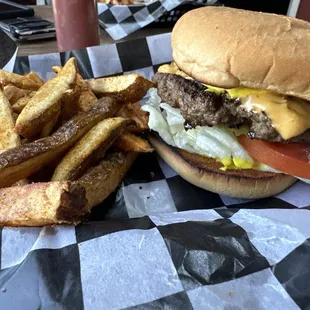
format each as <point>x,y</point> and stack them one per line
<point>230,48</point>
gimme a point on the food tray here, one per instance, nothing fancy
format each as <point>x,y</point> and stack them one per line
<point>167,242</point>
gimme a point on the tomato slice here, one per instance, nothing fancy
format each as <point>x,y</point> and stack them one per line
<point>293,158</point>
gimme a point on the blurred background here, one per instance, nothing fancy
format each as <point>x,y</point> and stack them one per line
<point>121,23</point>
<point>299,8</point>
<point>295,8</point>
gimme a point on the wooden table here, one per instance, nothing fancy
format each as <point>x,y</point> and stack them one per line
<point>50,45</point>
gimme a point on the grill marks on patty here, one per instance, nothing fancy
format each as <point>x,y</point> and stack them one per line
<point>202,108</point>
<point>198,106</point>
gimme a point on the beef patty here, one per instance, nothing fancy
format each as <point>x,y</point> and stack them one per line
<point>200,107</point>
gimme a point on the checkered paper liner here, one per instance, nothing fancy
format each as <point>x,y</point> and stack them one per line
<point>121,20</point>
<point>159,242</point>
<point>8,51</point>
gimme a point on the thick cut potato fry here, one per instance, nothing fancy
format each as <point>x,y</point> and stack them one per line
<point>20,162</point>
<point>86,98</point>
<point>127,142</point>
<point>128,88</point>
<point>20,104</point>
<point>42,107</point>
<point>134,112</point>
<point>89,149</point>
<point>8,137</point>
<point>20,81</point>
<point>69,104</point>
<point>40,204</point>
<point>48,128</point>
<point>34,77</point>
<point>13,93</point>
<point>100,181</point>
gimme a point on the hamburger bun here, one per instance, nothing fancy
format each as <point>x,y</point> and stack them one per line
<point>205,172</point>
<point>229,48</point>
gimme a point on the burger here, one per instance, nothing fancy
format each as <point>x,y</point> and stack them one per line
<point>231,114</point>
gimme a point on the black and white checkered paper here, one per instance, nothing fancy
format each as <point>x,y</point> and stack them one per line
<point>159,242</point>
<point>8,51</point>
<point>121,20</point>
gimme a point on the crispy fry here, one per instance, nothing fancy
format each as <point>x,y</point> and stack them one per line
<point>40,204</point>
<point>128,88</point>
<point>8,137</point>
<point>19,163</point>
<point>34,77</point>
<point>75,132</point>
<point>69,104</point>
<point>134,112</point>
<point>69,101</point>
<point>100,181</point>
<point>20,104</point>
<point>86,98</point>
<point>13,93</point>
<point>48,128</point>
<point>89,149</point>
<point>20,81</point>
<point>127,142</point>
<point>42,107</point>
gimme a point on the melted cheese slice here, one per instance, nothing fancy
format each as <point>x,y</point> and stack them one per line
<point>289,116</point>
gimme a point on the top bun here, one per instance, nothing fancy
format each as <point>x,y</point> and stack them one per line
<point>229,48</point>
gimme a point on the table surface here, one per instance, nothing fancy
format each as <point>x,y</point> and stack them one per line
<point>50,45</point>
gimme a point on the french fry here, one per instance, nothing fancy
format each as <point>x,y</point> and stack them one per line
<point>34,77</point>
<point>40,204</point>
<point>75,148</point>
<point>20,81</point>
<point>42,107</point>
<point>8,137</point>
<point>128,88</point>
<point>20,162</point>
<point>101,180</point>
<point>89,149</point>
<point>13,93</point>
<point>69,102</point>
<point>86,98</point>
<point>48,128</point>
<point>127,142</point>
<point>134,112</point>
<point>20,104</point>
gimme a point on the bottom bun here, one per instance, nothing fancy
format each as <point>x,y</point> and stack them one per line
<point>205,172</point>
